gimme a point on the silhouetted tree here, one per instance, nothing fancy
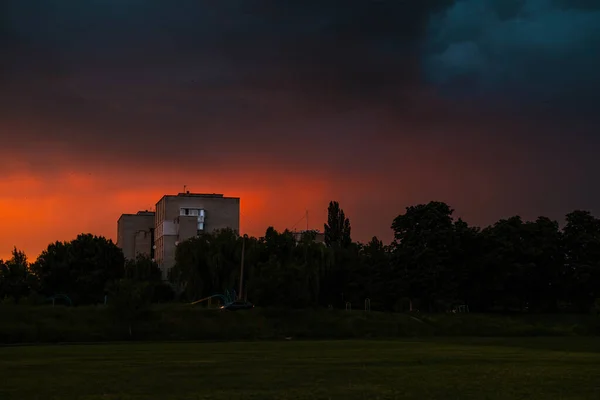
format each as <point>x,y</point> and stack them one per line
<point>15,279</point>
<point>145,270</point>
<point>582,252</point>
<point>435,262</point>
<point>423,249</point>
<point>209,264</point>
<point>81,268</point>
<point>337,228</point>
<point>286,273</point>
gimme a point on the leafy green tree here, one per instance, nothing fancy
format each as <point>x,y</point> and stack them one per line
<point>81,268</point>
<point>337,228</point>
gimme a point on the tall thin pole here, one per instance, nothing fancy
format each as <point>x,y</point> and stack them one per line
<point>242,266</point>
<point>306,219</point>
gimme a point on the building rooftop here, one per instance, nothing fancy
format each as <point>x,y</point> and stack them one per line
<point>144,213</point>
<point>209,195</point>
<point>200,195</point>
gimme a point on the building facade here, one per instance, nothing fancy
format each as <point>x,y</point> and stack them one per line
<point>185,215</point>
<point>135,234</point>
<point>176,219</point>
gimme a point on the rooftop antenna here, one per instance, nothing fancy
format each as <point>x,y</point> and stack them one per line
<point>184,188</point>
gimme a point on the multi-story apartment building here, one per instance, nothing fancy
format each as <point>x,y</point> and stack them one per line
<point>182,216</point>
<point>176,219</point>
<point>135,234</point>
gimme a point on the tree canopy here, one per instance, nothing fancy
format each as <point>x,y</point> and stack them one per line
<point>15,279</point>
<point>337,228</point>
<point>435,263</point>
<point>81,268</point>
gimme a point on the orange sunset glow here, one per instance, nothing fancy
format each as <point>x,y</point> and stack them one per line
<point>39,207</point>
<point>62,194</point>
<point>40,210</point>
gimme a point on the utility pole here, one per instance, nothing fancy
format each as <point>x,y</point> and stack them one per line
<point>242,267</point>
<point>306,219</point>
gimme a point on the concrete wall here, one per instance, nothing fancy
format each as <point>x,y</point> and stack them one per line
<point>188,228</point>
<point>142,243</point>
<point>133,234</point>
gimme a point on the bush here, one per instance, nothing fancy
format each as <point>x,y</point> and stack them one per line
<point>129,301</point>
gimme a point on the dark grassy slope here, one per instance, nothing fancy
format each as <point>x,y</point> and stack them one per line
<point>23,324</point>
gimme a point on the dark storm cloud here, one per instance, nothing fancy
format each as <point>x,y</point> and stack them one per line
<point>420,99</point>
<point>346,48</point>
<point>543,55</point>
<point>255,72</point>
<point>283,77</point>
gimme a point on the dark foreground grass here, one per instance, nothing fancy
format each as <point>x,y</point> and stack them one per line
<point>175,322</point>
<point>482,368</point>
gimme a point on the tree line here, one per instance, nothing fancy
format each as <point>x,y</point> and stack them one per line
<point>435,263</point>
<point>84,271</point>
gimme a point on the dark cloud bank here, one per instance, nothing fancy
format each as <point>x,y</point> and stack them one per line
<point>508,87</point>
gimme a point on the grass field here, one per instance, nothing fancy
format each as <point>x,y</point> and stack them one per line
<point>180,322</point>
<point>481,368</point>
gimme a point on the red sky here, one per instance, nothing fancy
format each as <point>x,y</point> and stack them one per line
<point>107,106</point>
<point>71,196</point>
<point>60,195</point>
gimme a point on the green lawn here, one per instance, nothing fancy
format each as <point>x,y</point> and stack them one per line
<point>533,368</point>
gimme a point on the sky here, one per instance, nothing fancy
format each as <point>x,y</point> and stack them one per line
<point>106,105</point>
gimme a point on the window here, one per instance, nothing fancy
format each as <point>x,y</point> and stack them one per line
<point>194,212</point>
<point>201,215</point>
